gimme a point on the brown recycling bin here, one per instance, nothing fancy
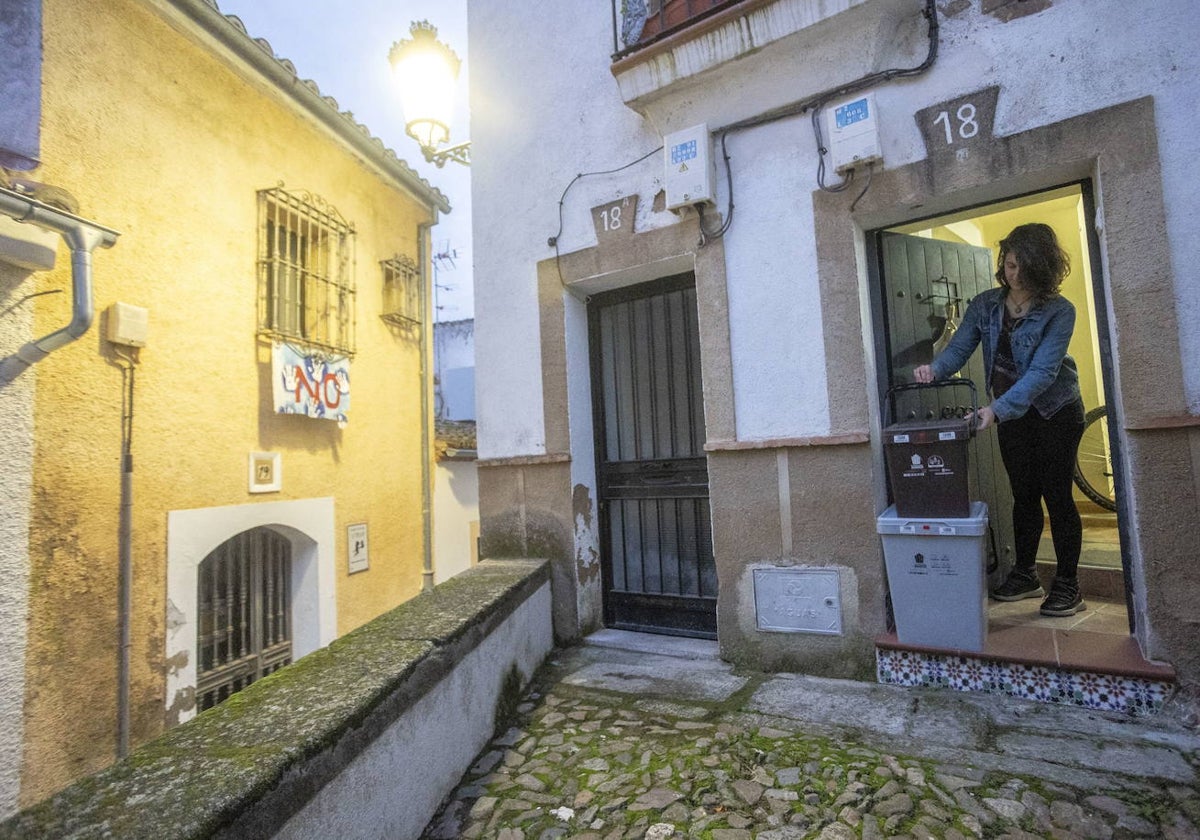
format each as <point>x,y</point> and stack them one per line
<point>927,465</point>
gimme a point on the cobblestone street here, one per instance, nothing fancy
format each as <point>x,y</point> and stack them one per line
<point>610,744</point>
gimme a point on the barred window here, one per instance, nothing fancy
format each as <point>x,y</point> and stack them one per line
<point>401,292</point>
<point>305,271</point>
<point>244,608</point>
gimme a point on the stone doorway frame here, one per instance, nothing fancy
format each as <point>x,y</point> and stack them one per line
<point>1116,149</point>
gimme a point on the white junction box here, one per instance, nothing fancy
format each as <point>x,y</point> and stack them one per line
<point>128,324</point>
<point>688,167</point>
<point>853,133</point>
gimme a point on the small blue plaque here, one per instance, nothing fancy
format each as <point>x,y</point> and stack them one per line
<point>851,112</point>
<point>681,152</point>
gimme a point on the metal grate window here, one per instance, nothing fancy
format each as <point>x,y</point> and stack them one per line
<point>244,608</point>
<point>305,270</point>
<point>401,291</point>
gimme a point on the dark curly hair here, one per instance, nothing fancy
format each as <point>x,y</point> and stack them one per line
<point>1042,261</point>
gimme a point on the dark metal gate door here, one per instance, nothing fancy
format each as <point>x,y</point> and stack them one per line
<point>244,600</point>
<point>656,534</point>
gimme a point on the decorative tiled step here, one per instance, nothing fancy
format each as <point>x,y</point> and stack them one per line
<point>1092,670</point>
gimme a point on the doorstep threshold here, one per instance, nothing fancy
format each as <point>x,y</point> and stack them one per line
<point>678,646</point>
<point>1072,650</point>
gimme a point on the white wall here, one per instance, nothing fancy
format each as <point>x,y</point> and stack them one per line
<point>454,364</point>
<point>775,326</point>
<point>455,483</point>
<point>16,484</point>
<point>541,116</point>
<point>538,118</point>
<point>455,517</point>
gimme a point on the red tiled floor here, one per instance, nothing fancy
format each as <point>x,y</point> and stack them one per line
<point>1080,650</point>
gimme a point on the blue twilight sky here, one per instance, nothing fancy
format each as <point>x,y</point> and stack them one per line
<point>343,47</point>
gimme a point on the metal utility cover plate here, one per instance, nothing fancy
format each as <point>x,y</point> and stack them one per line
<point>798,601</point>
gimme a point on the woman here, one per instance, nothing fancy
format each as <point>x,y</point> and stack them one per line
<point>1025,327</point>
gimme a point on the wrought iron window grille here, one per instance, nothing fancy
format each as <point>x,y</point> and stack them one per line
<point>305,271</point>
<point>244,627</point>
<point>401,292</point>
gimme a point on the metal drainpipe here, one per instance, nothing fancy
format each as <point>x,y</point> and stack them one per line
<point>426,386</point>
<point>83,237</point>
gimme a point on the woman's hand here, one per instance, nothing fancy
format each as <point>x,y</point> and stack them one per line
<point>923,373</point>
<point>984,417</point>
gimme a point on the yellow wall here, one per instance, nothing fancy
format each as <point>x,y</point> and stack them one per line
<point>1064,214</point>
<point>159,139</point>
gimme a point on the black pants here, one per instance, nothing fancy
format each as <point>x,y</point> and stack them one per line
<point>1039,456</point>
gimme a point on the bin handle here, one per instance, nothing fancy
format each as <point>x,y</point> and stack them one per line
<point>890,397</point>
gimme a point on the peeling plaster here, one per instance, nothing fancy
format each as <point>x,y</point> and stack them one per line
<point>1006,10</point>
<point>581,504</point>
<point>177,662</point>
<point>175,617</point>
<point>587,555</point>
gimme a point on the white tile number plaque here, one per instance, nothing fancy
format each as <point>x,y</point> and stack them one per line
<point>798,601</point>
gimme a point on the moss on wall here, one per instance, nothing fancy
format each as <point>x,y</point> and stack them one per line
<point>322,711</point>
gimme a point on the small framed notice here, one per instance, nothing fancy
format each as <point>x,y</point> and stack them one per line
<point>356,547</point>
<point>266,472</point>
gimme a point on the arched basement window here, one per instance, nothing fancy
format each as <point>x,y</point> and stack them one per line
<point>244,609</point>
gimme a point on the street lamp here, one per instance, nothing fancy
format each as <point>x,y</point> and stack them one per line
<point>426,70</point>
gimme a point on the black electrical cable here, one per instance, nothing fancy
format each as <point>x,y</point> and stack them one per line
<point>9,309</point>
<point>821,150</point>
<point>866,186</point>
<point>553,240</point>
<point>818,101</point>
<point>729,180</point>
<point>705,236</point>
<point>813,103</point>
<point>128,368</point>
<point>860,84</point>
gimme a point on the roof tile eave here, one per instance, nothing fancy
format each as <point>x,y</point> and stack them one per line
<point>258,53</point>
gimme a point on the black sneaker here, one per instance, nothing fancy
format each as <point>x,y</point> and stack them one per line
<point>1019,585</point>
<point>1064,598</point>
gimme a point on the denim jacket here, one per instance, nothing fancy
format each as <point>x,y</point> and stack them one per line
<point>1047,378</point>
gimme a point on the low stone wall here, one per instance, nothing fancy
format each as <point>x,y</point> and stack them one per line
<point>360,739</point>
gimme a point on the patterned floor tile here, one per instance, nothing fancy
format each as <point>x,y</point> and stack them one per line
<point>1105,692</point>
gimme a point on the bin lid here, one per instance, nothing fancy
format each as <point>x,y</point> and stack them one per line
<point>974,525</point>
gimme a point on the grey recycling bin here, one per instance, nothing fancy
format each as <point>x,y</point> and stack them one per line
<point>936,574</point>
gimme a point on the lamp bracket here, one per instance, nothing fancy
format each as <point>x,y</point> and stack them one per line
<point>460,153</point>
